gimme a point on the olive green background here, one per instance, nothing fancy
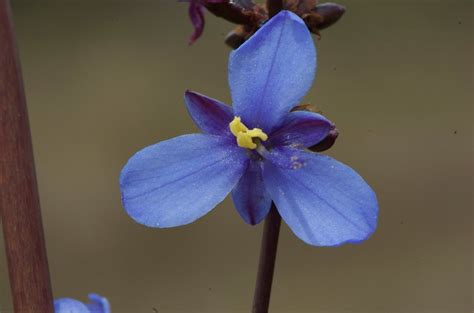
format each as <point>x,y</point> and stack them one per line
<point>106,78</point>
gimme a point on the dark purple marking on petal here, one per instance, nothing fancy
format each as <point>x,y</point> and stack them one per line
<point>301,129</point>
<point>210,115</point>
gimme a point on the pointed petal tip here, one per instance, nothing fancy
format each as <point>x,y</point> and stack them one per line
<point>210,115</point>
<point>188,93</point>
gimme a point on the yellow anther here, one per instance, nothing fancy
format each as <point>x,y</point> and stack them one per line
<point>245,136</point>
<point>236,126</point>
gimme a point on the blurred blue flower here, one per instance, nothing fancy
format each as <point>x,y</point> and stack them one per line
<point>97,304</point>
<point>256,151</point>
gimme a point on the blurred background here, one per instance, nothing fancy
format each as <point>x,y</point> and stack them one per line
<point>105,78</point>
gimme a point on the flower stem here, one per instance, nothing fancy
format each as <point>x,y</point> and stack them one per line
<point>19,201</point>
<point>266,265</point>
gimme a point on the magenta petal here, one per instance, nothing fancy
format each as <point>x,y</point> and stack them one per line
<point>301,129</point>
<point>210,115</point>
<point>196,14</point>
<point>250,197</point>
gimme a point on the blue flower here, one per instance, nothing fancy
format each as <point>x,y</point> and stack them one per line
<point>256,151</point>
<point>97,304</point>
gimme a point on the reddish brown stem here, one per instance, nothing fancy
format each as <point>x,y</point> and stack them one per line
<point>266,266</point>
<point>19,201</point>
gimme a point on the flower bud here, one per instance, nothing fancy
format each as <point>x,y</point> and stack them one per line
<point>237,37</point>
<point>330,139</point>
<point>327,142</point>
<point>329,12</point>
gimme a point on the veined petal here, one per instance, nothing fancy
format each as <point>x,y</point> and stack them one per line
<point>177,181</point>
<point>301,129</point>
<point>98,304</point>
<point>325,203</point>
<point>68,305</point>
<point>210,115</point>
<point>250,197</point>
<point>272,71</point>
<point>284,157</point>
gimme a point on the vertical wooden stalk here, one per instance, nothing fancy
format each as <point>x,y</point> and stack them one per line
<point>266,266</point>
<point>19,202</point>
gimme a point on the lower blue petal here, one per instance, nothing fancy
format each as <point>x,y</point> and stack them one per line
<point>177,181</point>
<point>324,202</point>
<point>250,197</point>
<point>68,305</point>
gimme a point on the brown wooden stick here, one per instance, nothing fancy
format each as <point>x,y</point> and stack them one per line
<point>266,266</point>
<point>19,201</point>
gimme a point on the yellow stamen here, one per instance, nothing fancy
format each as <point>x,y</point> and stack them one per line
<point>245,136</point>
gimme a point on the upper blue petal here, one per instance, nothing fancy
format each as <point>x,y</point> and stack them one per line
<point>250,198</point>
<point>301,129</point>
<point>272,71</point>
<point>68,305</point>
<point>324,202</point>
<point>210,115</point>
<point>177,181</point>
<point>98,304</point>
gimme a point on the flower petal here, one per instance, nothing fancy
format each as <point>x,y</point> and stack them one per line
<point>325,203</point>
<point>250,197</point>
<point>301,129</point>
<point>177,181</point>
<point>272,71</point>
<point>68,305</point>
<point>196,15</point>
<point>98,304</point>
<point>210,115</point>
